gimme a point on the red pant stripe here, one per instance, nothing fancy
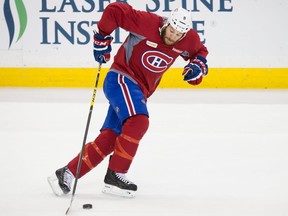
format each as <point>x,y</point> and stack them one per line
<point>126,95</point>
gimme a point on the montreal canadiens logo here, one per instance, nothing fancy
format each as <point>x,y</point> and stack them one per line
<point>155,61</point>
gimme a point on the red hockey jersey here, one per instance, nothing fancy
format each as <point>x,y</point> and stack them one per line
<point>143,56</point>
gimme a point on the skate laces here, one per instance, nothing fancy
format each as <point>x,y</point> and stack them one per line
<point>68,178</point>
<point>122,177</point>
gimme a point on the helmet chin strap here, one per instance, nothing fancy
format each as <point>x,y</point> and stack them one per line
<point>182,36</point>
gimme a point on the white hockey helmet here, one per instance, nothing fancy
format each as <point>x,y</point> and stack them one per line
<point>180,19</point>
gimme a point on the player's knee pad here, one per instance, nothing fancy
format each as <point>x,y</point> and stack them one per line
<point>136,126</point>
<point>106,141</point>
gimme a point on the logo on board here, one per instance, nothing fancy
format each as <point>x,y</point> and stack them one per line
<point>14,19</point>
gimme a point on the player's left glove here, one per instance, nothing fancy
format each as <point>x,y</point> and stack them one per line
<point>193,72</point>
<point>102,47</point>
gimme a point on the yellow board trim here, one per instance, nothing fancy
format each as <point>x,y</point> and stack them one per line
<point>260,78</point>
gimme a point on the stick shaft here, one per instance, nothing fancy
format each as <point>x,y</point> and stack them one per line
<point>84,139</point>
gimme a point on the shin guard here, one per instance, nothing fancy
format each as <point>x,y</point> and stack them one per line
<point>127,142</point>
<point>94,152</point>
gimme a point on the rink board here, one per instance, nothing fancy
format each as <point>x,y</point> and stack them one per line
<point>85,77</point>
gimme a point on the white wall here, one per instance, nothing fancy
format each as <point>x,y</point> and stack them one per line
<point>250,33</point>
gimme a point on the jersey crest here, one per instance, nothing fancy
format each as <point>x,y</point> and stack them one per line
<point>155,61</point>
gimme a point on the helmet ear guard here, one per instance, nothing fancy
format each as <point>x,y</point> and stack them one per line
<point>164,24</point>
<point>180,19</point>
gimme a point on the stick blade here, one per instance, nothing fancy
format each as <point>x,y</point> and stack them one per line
<point>67,211</point>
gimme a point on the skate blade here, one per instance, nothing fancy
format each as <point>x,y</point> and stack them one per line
<point>112,190</point>
<point>53,182</point>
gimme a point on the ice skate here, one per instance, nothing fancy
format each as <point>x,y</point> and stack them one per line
<point>118,184</point>
<point>61,182</point>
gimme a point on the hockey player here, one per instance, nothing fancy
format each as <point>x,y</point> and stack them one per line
<point>152,46</point>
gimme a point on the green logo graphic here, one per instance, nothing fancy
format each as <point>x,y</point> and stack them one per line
<point>22,15</point>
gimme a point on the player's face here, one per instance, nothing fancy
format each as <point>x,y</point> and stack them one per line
<point>171,36</point>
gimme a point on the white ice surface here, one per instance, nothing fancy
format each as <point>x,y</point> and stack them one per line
<point>206,153</point>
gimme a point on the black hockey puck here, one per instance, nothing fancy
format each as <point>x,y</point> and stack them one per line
<point>87,206</point>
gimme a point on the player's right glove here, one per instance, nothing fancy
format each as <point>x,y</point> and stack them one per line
<point>193,72</point>
<point>102,47</point>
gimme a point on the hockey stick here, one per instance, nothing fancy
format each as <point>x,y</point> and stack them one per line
<point>84,139</point>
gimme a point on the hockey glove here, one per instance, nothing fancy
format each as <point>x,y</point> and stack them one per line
<point>193,72</point>
<point>102,47</point>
